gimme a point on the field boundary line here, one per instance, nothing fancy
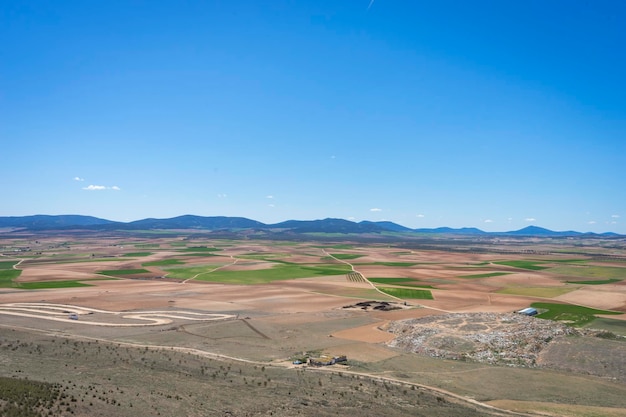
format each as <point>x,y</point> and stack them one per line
<point>212,270</point>
<point>375,287</point>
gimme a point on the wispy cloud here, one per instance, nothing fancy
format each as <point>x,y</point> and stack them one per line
<point>101,187</point>
<point>376,209</point>
<point>615,216</point>
<point>420,216</point>
<point>591,222</point>
<point>222,196</point>
<point>530,219</point>
<point>271,205</point>
<point>370,5</point>
<point>488,221</point>
<point>79,179</point>
<point>269,196</point>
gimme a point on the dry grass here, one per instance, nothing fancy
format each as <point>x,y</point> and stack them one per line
<point>286,317</point>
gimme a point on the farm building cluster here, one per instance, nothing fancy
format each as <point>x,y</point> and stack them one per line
<point>323,360</point>
<point>327,360</point>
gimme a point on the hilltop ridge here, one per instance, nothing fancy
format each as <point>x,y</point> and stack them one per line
<point>42,222</point>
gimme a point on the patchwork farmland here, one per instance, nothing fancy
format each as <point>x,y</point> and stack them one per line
<point>232,314</point>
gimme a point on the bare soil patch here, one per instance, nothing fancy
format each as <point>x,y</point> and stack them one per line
<point>277,320</point>
<point>587,356</point>
<point>607,297</point>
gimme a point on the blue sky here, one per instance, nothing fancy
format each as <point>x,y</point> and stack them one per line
<point>489,114</point>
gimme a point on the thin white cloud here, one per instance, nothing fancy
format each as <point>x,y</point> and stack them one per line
<point>376,209</point>
<point>615,216</point>
<point>488,221</point>
<point>269,196</point>
<point>101,187</point>
<point>271,205</point>
<point>79,179</point>
<point>530,219</point>
<point>222,196</point>
<point>420,216</point>
<point>591,222</point>
<point>370,5</point>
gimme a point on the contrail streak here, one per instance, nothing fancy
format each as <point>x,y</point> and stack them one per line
<point>370,5</point>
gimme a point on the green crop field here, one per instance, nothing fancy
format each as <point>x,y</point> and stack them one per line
<point>138,254</point>
<point>591,271</point>
<point>408,293</point>
<point>190,272</point>
<point>567,261</point>
<point>164,262</point>
<point>345,256</point>
<point>488,275</point>
<point>7,276</point>
<point>51,284</point>
<point>598,282</point>
<point>7,264</point>
<point>199,249</point>
<point>406,282</point>
<point>572,314</point>
<point>116,272</point>
<point>260,276</point>
<point>147,245</point>
<point>543,292</point>
<point>532,265</point>
<point>279,261</point>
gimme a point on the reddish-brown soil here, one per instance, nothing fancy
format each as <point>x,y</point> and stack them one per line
<point>279,319</point>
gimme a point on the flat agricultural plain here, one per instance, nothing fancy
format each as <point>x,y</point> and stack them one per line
<point>180,324</point>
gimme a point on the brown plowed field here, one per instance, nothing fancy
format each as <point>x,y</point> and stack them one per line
<point>281,318</point>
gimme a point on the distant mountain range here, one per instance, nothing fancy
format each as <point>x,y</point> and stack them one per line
<point>222,223</point>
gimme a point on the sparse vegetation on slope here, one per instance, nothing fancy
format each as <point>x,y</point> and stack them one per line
<point>96,378</point>
<point>24,398</point>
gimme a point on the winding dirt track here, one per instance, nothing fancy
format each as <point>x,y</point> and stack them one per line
<point>288,365</point>
<point>374,286</point>
<point>61,312</point>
